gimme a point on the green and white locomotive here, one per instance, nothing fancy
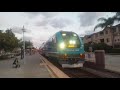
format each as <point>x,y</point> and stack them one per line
<point>67,47</point>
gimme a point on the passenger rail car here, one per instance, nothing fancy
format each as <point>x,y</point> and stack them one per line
<point>41,49</point>
<point>67,47</point>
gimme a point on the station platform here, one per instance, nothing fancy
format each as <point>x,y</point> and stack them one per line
<point>33,66</point>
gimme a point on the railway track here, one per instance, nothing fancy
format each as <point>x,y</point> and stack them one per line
<point>79,73</point>
<point>73,72</point>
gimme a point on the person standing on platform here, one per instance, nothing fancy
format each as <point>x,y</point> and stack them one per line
<point>30,51</point>
<point>22,53</point>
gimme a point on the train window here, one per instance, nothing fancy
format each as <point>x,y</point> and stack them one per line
<point>71,38</point>
<point>74,35</point>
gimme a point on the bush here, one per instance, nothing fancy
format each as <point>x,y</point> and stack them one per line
<point>3,57</point>
<point>6,56</point>
<point>86,47</point>
<point>99,46</point>
<point>103,46</point>
<point>114,51</point>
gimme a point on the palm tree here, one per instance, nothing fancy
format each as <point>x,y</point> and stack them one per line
<point>117,15</point>
<point>107,22</point>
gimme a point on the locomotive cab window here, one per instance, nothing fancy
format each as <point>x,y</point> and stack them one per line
<point>71,39</point>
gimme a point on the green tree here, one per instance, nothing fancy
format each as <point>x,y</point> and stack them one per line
<point>9,32</point>
<point>27,44</point>
<point>8,41</point>
<point>107,23</point>
<point>98,46</point>
<point>1,34</point>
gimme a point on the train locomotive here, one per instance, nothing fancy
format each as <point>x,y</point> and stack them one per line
<point>67,47</point>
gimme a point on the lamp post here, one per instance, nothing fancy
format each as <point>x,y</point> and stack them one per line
<point>23,29</point>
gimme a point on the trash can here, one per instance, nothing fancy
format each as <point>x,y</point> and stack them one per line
<point>100,59</point>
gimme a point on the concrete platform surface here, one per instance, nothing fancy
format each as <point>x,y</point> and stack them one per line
<point>31,68</point>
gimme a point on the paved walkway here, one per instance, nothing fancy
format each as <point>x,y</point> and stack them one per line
<point>31,68</point>
<point>112,62</point>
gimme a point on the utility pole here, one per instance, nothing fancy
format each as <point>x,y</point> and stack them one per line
<point>23,29</point>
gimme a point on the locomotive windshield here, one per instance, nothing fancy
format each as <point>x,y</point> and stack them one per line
<point>71,39</point>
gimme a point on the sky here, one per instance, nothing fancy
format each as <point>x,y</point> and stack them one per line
<point>40,26</point>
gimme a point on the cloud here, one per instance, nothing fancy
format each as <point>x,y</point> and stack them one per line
<point>2,21</point>
<point>60,22</point>
<point>42,23</point>
<point>49,14</point>
<point>89,32</point>
<point>88,18</point>
<point>42,18</point>
<point>27,38</point>
<point>45,14</point>
<point>54,22</point>
<point>32,14</point>
<point>18,30</point>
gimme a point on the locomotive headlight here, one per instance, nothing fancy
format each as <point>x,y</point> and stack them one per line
<point>62,45</point>
<point>72,42</point>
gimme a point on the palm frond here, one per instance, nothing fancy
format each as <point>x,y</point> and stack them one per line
<point>117,13</point>
<point>107,22</point>
<point>102,25</point>
<point>117,19</point>
<point>102,19</point>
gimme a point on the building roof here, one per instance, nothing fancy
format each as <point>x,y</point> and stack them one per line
<point>118,25</point>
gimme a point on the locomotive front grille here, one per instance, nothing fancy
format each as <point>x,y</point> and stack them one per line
<point>73,56</point>
<point>70,56</point>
